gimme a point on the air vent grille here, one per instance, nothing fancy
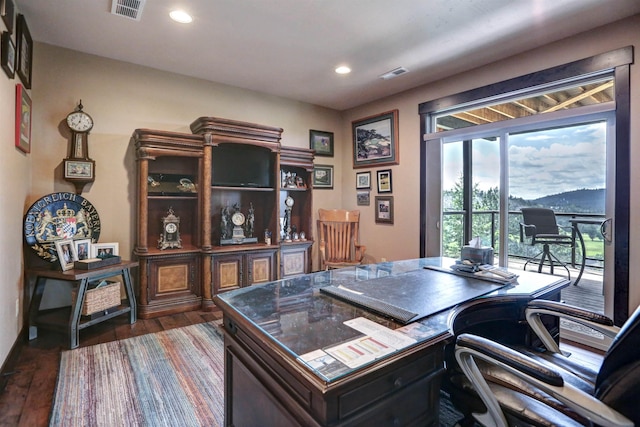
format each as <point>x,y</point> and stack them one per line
<point>131,9</point>
<point>394,73</point>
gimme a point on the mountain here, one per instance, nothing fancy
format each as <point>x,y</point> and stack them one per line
<point>579,201</point>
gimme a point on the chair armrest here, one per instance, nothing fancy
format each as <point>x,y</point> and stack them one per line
<point>590,319</point>
<point>523,228</point>
<point>469,347</point>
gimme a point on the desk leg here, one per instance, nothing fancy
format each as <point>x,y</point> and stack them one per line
<point>34,307</point>
<point>76,309</point>
<point>128,287</point>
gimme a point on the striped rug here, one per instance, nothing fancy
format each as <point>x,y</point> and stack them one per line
<point>169,378</point>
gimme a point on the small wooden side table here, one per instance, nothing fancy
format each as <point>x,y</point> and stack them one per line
<point>68,320</point>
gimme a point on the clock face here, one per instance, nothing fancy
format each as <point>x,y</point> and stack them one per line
<point>289,201</point>
<point>170,228</point>
<point>238,218</point>
<point>79,121</point>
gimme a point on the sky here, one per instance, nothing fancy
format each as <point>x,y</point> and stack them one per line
<point>541,163</point>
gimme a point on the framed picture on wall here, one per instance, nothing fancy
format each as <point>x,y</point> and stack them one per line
<point>24,46</point>
<point>23,119</point>
<point>363,198</point>
<point>375,140</point>
<point>8,58</point>
<point>322,176</point>
<point>7,11</point>
<point>363,180</point>
<point>384,209</point>
<point>384,181</point>
<point>322,142</point>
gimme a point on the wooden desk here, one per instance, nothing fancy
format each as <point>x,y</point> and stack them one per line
<point>269,327</point>
<point>68,319</point>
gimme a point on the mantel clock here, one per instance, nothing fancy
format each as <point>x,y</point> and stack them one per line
<point>79,169</point>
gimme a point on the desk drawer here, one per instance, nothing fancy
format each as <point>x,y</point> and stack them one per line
<point>391,382</point>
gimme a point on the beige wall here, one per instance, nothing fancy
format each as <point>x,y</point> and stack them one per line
<point>15,179</point>
<point>122,97</point>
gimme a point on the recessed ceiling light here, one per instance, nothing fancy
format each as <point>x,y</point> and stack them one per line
<point>180,16</point>
<point>343,69</point>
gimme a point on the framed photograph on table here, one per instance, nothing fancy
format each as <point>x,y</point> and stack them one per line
<point>375,140</point>
<point>384,181</point>
<point>66,253</point>
<point>24,46</point>
<point>322,142</point>
<point>83,248</point>
<point>363,180</point>
<point>384,209</point>
<point>23,119</point>
<point>104,250</point>
<point>322,176</point>
<point>8,59</point>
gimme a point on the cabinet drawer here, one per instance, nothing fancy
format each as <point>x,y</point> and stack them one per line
<point>392,382</point>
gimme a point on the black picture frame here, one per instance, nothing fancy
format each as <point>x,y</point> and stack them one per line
<point>375,140</point>
<point>8,57</point>
<point>323,176</point>
<point>384,181</point>
<point>24,47</point>
<point>363,198</point>
<point>363,180</point>
<point>7,11</point>
<point>384,209</point>
<point>321,142</point>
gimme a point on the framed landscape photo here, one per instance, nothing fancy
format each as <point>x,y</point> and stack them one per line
<point>384,209</point>
<point>8,58</point>
<point>322,142</point>
<point>363,180</point>
<point>23,119</point>
<point>363,198</point>
<point>24,46</point>
<point>375,140</point>
<point>384,181</point>
<point>322,176</point>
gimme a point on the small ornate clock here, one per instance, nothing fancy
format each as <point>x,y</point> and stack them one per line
<point>79,169</point>
<point>170,232</point>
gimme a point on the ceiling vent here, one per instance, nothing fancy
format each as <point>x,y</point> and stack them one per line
<point>131,9</point>
<point>394,73</point>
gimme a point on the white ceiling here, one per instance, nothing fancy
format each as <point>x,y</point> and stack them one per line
<point>290,48</point>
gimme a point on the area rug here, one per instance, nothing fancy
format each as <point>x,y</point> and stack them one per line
<point>169,378</point>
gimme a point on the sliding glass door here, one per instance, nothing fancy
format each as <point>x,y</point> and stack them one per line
<point>486,176</point>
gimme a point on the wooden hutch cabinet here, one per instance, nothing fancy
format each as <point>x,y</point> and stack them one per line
<point>168,179</point>
<point>227,184</point>
<point>296,169</point>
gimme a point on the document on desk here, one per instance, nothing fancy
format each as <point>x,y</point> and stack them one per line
<point>413,295</point>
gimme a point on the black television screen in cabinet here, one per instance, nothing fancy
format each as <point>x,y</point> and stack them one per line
<point>242,166</point>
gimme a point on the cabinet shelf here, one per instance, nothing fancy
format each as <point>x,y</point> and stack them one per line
<point>168,197</point>
<point>226,188</point>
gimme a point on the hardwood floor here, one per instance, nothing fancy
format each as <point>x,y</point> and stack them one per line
<point>27,398</point>
<point>30,382</point>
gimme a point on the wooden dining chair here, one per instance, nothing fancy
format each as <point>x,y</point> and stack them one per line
<point>338,231</point>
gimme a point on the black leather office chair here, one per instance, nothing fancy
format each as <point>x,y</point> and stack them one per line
<point>540,227</point>
<point>505,386</point>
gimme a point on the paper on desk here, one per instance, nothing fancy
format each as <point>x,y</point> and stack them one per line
<point>381,333</point>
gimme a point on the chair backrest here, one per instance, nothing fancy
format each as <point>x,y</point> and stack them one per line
<point>544,219</point>
<point>338,230</point>
<point>618,381</point>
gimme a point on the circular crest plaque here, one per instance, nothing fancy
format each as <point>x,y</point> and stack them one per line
<point>59,216</point>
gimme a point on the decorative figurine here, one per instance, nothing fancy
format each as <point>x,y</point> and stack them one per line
<point>250,221</point>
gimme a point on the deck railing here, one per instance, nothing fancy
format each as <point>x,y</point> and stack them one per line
<point>594,241</point>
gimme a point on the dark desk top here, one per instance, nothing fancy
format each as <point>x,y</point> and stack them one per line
<point>333,338</point>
